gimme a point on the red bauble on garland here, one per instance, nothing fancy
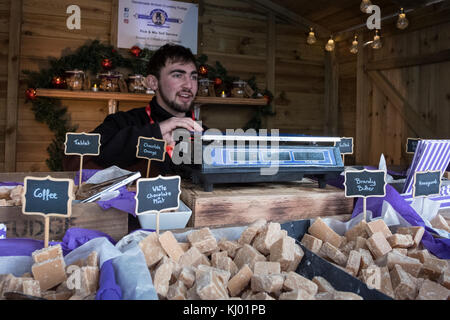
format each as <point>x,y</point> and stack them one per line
<point>107,64</point>
<point>58,82</point>
<point>135,51</point>
<point>30,93</point>
<point>217,81</point>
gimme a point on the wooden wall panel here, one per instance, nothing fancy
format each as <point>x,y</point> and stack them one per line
<point>4,45</point>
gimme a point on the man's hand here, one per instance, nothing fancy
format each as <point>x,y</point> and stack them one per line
<point>173,123</point>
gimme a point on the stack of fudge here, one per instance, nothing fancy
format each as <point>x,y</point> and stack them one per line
<point>49,277</point>
<point>395,264</point>
<point>260,265</point>
<point>11,196</point>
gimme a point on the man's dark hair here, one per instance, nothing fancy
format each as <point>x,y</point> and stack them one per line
<point>169,52</point>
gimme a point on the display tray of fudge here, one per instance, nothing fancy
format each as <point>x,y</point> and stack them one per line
<point>260,265</point>
<point>395,263</point>
<point>11,195</point>
<point>51,279</point>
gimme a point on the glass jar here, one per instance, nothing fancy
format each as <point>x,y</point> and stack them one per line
<point>203,87</point>
<point>109,81</point>
<point>238,89</point>
<point>136,83</point>
<point>75,79</point>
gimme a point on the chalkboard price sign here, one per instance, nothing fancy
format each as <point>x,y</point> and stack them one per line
<point>151,149</point>
<point>345,145</point>
<point>82,144</point>
<point>411,145</point>
<point>365,183</point>
<point>426,183</point>
<point>157,194</point>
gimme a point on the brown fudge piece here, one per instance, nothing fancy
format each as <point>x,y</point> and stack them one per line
<point>267,283</point>
<point>378,226</point>
<point>252,230</point>
<point>404,285</point>
<point>321,230</point>
<point>12,284</point>
<point>31,288</point>
<point>248,255</point>
<point>162,278</point>
<point>176,268</point>
<point>191,258</point>
<point>260,296</point>
<point>311,243</point>
<point>386,284</point>
<point>366,258</point>
<point>400,240</point>
<point>433,267</point>
<point>358,230</point>
<point>171,246</point>
<point>152,250</point>
<point>187,276</point>
<point>323,285</point>
<point>444,279</point>
<point>346,248</point>
<point>264,240</point>
<point>378,244</point>
<point>343,295</point>
<point>283,252</point>
<point>295,281</point>
<point>231,247</point>
<point>353,262</point>
<point>371,276</point>
<point>225,263</point>
<point>415,232</point>
<point>439,222</point>
<point>237,283</point>
<point>177,291</point>
<point>203,240</point>
<point>222,274</point>
<point>92,259</point>
<point>402,251</point>
<point>216,255</point>
<point>266,267</point>
<point>421,255</point>
<point>297,294</point>
<point>334,254</point>
<point>49,273</point>
<point>210,286</point>
<point>431,290</point>
<point>361,243</point>
<point>48,253</point>
<point>410,265</point>
<point>89,280</point>
<point>298,256</point>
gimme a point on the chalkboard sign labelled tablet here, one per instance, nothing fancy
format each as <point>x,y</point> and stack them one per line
<point>157,194</point>
<point>411,145</point>
<point>345,145</point>
<point>427,183</point>
<point>47,197</point>
<point>151,149</point>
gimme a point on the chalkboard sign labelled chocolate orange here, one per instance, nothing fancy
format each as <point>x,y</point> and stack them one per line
<point>151,149</point>
<point>427,183</point>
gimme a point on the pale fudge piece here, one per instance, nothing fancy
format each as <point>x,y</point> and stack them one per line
<point>216,256</point>
<point>204,260</point>
<point>378,226</point>
<point>298,256</point>
<point>410,265</point>
<point>248,255</point>
<point>431,290</point>
<point>311,243</point>
<point>238,283</point>
<point>266,267</point>
<point>48,253</point>
<point>225,263</point>
<point>324,296</point>
<point>334,254</point>
<point>344,295</point>
<point>415,232</point>
<point>203,240</point>
<point>366,258</point>
<point>191,258</point>
<point>152,250</point>
<point>16,195</point>
<point>433,268</point>
<point>12,284</point>
<point>349,246</point>
<point>184,246</point>
<point>53,295</point>
<point>405,287</point>
<point>402,251</point>
<point>378,244</point>
<point>371,276</point>
<point>210,286</point>
<point>386,284</point>
<point>353,262</point>
<point>358,230</point>
<point>177,291</point>
<point>31,288</point>
<point>171,246</point>
<point>27,275</point>
<point>92,259</point>
<point>323,285</point>
<point>321,230</point>
<point>89,280</point>
<point>400,241</point>
<point>271,283</point>
<point>187,276</point>
<point>161,279</point>
<point>264,240</point>
<point>260,296</point>
<point>231,247</point>
<point>191,294</point>
<point>444,279</point>
<point>361,243</point>
<point>246,294</point>
<point>49,273</point>
<point>297,294</point>
<point>249,234</point>
<point>283,252</point>
<point>439,222</point>
<point>222,274</point>
<point>295,281</point>
<point>421,255</point>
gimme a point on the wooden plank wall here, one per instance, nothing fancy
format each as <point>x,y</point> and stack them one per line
<point>4,44</point>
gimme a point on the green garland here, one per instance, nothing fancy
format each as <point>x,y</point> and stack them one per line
<point>88,58</point>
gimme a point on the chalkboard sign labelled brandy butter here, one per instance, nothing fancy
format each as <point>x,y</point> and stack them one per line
<point>157,194</point>
<point>47,197</point>
<point>365,183</point>
<point>151,149</point>
<point>427,183</point>
<point>411,145</point>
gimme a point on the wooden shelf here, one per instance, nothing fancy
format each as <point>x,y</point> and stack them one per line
<point>122,96</point>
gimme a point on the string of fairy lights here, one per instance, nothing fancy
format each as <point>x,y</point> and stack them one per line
<point>401,23</point>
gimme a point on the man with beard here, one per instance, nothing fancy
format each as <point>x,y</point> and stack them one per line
<point>172,74</point>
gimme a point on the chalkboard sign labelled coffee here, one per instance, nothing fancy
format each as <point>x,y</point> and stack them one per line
<point>151,149</point>
<point>345,145</point>
<point>82,144</point>
<point>411,145</point>
<point>157,194</point>
<point>47,197</point>
<point>427,183</point>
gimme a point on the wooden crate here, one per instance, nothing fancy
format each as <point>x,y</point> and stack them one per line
<point>112,221</point>
<point>280,202</point>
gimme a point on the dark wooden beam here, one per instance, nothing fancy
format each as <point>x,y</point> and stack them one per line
<point>331,94</point>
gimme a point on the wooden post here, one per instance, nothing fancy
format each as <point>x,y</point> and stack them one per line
<point>331,94</point>
<point>271,51</point>
<point>46,231</point>
<point>114,25</point>
<point>15,27</point>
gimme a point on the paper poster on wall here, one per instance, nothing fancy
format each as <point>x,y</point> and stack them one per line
<point>153,23</point>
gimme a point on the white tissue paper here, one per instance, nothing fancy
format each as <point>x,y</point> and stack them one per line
<point>2,231</point>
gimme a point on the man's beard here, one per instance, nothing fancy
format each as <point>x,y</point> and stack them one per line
<point>173,105</point>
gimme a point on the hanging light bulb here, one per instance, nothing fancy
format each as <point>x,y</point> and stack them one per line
<point>354,47</point>
<point>402,22</point>
<point>365,6</point>
<point>376,44</point>
<point>311,37</point>
<point>330,44</point>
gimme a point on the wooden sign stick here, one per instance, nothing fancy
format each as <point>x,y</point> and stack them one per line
<point>157,223</point>
<point>46,231</point>
<point>81,170</point>
<point>364,207</point>
<point>148,168</point>
<point>343,159</point>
